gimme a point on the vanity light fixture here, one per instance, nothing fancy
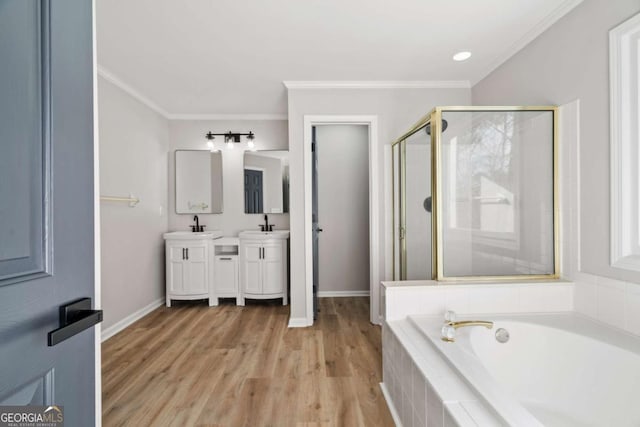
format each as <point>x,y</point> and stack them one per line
<point>231,138</point>
<point>250,142</point>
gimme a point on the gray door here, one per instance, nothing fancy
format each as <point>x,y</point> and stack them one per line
<point>314,219</point>
<point>46,203</point>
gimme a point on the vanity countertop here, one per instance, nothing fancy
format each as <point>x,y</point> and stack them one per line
<point>189,235</point>
<point>264,235</point>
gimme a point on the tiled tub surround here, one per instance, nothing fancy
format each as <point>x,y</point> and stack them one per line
<point>610,301</point>
<point>427,297</point>
<point>421,388</point>
<point>420,385</point>
<point>578,372</point>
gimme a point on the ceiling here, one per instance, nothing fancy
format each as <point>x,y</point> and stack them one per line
<point>230,57</point>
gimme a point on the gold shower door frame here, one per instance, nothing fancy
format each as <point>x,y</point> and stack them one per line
<point>434,118</point>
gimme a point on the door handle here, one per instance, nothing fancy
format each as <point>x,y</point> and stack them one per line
<point>183,254</point>
<point>75,317</point>
<point>319,230</point>
<point>187,254</point>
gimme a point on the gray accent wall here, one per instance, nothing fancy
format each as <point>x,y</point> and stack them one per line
<point>570,61</point>
<point>134,141</point>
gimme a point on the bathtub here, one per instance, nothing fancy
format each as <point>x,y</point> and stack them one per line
<point>555,370</point>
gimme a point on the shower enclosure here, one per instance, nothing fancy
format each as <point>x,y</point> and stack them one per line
<point>475,195</point>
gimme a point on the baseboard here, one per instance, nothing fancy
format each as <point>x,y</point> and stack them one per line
<point>298,322</point>
<point>133,317</point>
<point>339,294</point>
<point>392,408</point>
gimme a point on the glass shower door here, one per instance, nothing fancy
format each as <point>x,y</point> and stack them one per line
<point>418,206</point>
<point>412,206</point>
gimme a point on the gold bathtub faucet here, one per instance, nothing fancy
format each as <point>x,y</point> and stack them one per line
<point>449,328</point>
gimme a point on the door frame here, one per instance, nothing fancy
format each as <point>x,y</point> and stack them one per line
<point>374,207</point>
<point>97,293</point>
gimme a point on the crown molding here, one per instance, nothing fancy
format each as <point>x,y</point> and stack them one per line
<point>377,84</point>
<point>228,117</point>
<point>111,78</point>
<point>542,26</point>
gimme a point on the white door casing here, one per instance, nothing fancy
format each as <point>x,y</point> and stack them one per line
<point>374,211</point>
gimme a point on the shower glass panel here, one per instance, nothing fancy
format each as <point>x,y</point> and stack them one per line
<point>417,206</point>
<point>497,193</point>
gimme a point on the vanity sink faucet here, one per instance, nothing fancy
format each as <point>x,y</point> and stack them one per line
<point>266,226</point>
<point>197,228</point>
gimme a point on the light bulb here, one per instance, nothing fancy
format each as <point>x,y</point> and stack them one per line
<point>250,143</point>
<point>210,144</point>
<point>230,145</point>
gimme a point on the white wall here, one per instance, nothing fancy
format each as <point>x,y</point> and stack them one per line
<point>570,61</point>
<point>189,134</point>
<point>343,207</point>
<point>133,147</point>
<point>397,110</point>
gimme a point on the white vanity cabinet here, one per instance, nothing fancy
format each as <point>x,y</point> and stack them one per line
<point>263,265</point>
<point>187,268</point>
<point>189,260</point>
<point>226,275</point>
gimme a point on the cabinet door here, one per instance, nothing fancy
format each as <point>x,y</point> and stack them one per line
<point>273,269</point>
<point>176,271</point>
<point>251,270</point>
<point>226,275</point>
<point>198,273</point>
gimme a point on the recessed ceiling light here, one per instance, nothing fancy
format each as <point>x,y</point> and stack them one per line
<point>462,56</point>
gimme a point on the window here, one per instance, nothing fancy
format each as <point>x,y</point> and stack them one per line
<point>624,48</point>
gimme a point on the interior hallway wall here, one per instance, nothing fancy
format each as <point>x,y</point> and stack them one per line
<point>570,61</point>
<point>397,110</point>
<point>190,135</point>
<point>343,208</point>
<point>134,141</point>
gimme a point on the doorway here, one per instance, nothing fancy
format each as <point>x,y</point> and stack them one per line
<point>315,229</point>
<point>340,210</point>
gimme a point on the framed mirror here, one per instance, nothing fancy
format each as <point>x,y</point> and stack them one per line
<point>198,182</point>
<point>266,182</point>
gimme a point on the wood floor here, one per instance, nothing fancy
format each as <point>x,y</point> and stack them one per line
<point>192,365</point>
